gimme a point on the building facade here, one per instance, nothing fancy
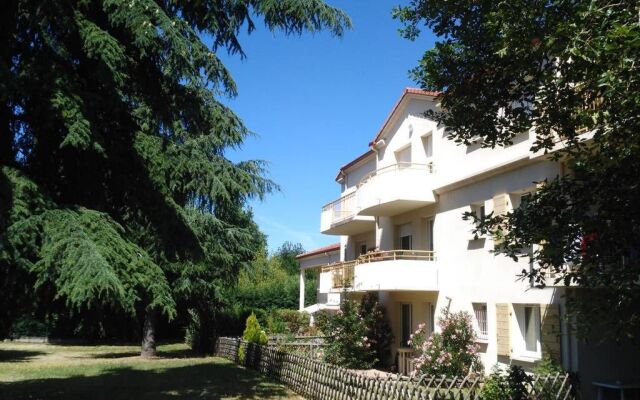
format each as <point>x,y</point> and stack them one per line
<point>402,236</point>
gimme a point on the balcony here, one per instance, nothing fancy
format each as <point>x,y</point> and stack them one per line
<point>395,189</point>
<point>387,270</point>
<point>340,217</point>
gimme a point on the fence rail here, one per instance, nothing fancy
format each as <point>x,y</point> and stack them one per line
<point>317,380</point>
<point>306,346</point>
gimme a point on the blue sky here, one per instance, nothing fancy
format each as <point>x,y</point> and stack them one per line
<point>315,102</point>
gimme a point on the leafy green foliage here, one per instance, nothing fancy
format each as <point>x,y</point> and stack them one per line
<point>548,365</point>
<point>358,335</point>
<point>253,332</point>
<point>115,190</point>
<point>29,326</point>
<point>346,340</point>
<point>286,254</point>
<point>508,384</point>
<point>378,333</point>
<point>452,351</point>
<point>566,73</point>
<point>272,282</point>
<point>291,322</point>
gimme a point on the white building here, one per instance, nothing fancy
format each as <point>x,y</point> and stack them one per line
<point>399,220</point>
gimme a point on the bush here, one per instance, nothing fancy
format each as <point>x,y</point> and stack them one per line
<point>509,385</point>
<point>358,335</point>
<point>547,366</point>
<point>378,333</point>
<point>347,344</point>
<point>253,333</point>
<point>451,352</point>
<point>27,325</point>
<point>288,322</point>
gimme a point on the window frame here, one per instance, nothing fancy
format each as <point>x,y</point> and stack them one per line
<point>521,332</point>
<point>482,334</point>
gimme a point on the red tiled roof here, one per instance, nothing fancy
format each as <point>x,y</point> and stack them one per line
<point>320,250</point>
<point>405,92</point>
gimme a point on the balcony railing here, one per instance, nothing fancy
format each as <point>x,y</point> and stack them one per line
<point>401,166</point>
<point>344,272</point>
<point>342,208</point>
<point>343,276</point>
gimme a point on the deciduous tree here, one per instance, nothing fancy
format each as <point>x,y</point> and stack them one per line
<point>568,73</point>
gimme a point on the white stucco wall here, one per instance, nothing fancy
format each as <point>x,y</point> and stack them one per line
<point>465,270</point>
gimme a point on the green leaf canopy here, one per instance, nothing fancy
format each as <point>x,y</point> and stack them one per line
<point>115,189</point>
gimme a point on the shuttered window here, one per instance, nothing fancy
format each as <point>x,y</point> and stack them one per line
<point>500,204</point>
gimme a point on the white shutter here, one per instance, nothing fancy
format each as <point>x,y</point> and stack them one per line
<point>500,204</point>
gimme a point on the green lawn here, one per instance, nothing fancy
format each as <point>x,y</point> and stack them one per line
<point>38,371</point>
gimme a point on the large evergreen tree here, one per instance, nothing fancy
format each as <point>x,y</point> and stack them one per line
<point>115,193</point>
<point>570,72</point>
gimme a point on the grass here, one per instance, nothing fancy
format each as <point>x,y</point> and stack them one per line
<point>40,371</point>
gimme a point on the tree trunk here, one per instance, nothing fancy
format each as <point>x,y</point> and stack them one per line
<point>149,334</point>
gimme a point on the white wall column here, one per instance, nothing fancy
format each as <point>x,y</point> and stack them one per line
<point>384,233</point>
<point>301,307</point>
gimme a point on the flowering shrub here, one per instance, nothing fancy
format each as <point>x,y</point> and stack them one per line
<point>452,351</point>
<point>347,344</point>
<point>378,334</point>
<point>358,335</point>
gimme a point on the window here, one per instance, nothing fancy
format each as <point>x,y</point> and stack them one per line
<point>405,237</point>
<point>405,242</point>
<point>427,144</point>
<point>405,334</point>
<point>430,234</point>
<point>528,319</point>
<point>403,156</point>
<point>480,312</point>
<point>480,212</point>
<point>432,320</point>
<point>362,248</point>
<point>525,199</point>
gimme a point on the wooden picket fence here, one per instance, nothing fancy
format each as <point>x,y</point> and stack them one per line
<point>314,379</point>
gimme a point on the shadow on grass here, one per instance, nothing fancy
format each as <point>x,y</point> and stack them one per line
<point>162,354</point>
<point>18,355</point>
<point>203,381</point>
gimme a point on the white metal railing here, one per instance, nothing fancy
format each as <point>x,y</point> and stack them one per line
<point>405,361</point>
<point>342,208</point>
<point>401,166</point>
<point>344,271</point>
